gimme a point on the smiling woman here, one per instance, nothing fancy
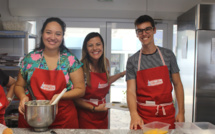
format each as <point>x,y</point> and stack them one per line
<point>93,114</point>
<point>95,48</point>
<point>52,36</point>
<point>48,70</point>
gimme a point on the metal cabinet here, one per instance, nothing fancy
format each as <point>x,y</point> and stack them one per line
<point>14,44</point>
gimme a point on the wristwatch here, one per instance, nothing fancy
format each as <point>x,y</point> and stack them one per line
<point>93,110</point>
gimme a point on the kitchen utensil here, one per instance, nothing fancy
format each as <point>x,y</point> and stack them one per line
<point>52,132</point>
<point>59,96</point>
<point>41,115</point>
<point>32,95</point>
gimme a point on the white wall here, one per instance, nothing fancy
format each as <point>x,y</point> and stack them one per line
<point>5,15</point>
<point>4,11</point>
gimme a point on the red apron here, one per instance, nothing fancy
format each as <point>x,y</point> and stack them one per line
<point>3,104</point>
<point>154,94</point>
<point>95,95</point>
<point>45,84</point>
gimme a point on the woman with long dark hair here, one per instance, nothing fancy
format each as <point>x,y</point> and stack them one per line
<point>47,71</point>
<point>92,113</point>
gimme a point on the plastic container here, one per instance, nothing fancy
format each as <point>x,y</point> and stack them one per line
<point>205,125</point>
<point>156,126</point>
<point>17,26</point>
<point>2,127</point>
<point>187,127</point>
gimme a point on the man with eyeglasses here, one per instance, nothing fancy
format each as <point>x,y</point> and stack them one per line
<point>150,73</point>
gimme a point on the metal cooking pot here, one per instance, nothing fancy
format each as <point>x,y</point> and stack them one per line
<point>40,115</point>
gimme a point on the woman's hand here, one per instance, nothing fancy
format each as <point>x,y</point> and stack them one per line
<point>122,74</point>
<point>101,108</point>
<point>21,107</point>
<point>53,98</point>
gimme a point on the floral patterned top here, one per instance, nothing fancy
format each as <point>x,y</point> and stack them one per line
<point>68,64</point>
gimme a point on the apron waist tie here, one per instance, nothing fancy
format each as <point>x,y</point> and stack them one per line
<point>160,105</point>
<point>94,101</point>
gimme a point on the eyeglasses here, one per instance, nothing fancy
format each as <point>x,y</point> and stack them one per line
<point>147,30</point>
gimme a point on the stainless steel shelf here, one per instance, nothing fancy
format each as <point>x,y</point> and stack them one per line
<point>16,34</point>
<point>19,34</point>
<point>9,67</point>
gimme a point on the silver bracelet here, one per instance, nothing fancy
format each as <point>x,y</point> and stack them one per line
<point>9,99</point>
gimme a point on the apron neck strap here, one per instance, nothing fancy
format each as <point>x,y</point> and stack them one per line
<point>141,50</point>
<point>139,60</point>
<point>161,56</point>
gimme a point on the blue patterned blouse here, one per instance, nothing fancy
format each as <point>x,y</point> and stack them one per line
<point>68,64</point>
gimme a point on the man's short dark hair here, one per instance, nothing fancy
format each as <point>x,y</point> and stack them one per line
<point>144,18</point>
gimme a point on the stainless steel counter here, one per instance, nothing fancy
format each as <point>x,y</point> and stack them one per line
<point>80,131</point>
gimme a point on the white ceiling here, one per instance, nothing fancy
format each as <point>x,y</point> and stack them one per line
<point>120,9</point>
